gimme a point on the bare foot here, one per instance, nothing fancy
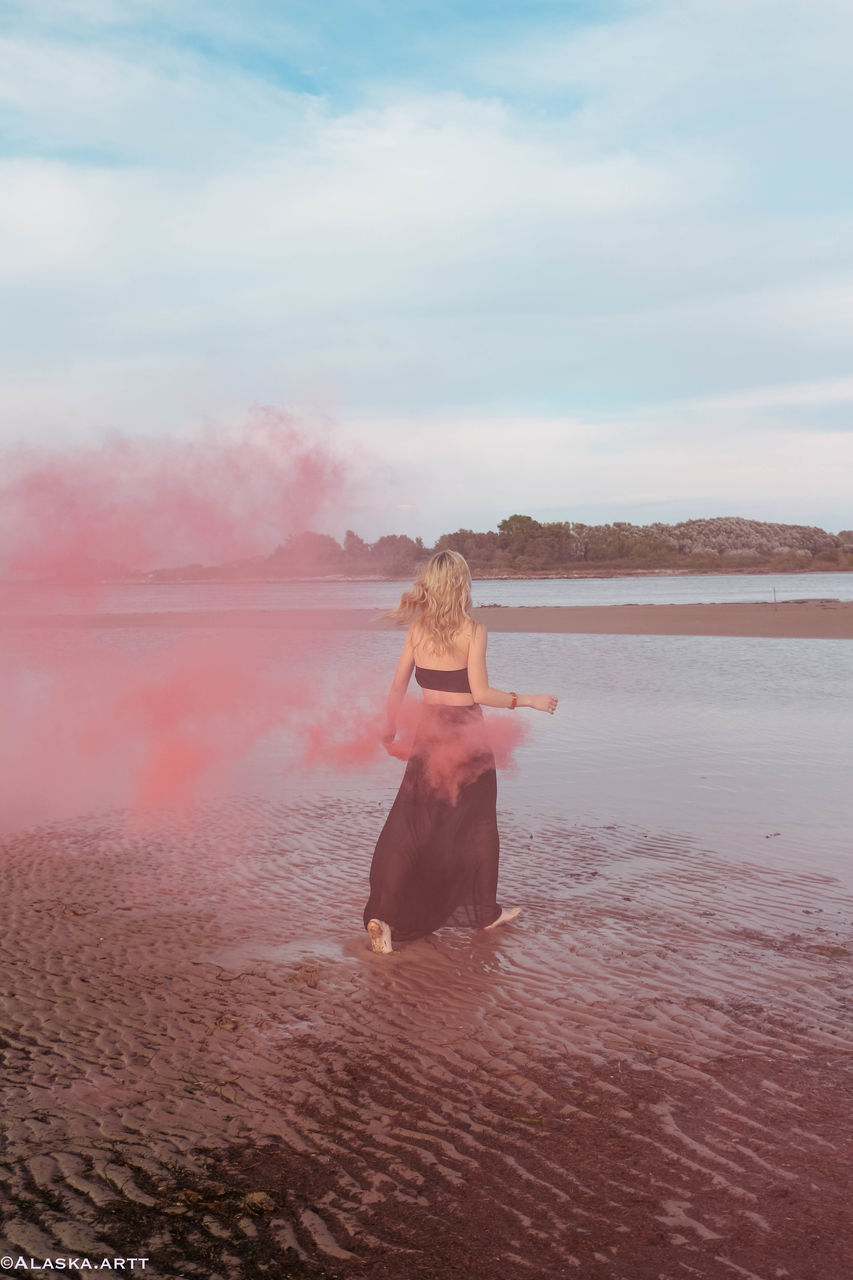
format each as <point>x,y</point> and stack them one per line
<point>506,917</point>
<point>380,936</point>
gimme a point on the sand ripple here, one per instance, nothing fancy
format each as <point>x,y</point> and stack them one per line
<point>202,1062</point>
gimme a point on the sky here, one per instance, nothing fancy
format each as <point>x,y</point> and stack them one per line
<point>584,261</point>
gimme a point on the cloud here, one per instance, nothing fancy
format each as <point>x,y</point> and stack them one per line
<point>136,105</point>
<point>831,391</point>
<point>666,68</point>
<point>665,466</point>
<point>357,235</point>
<point>583,223</point>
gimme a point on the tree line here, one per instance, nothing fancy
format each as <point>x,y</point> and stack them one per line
<point>524,547</point>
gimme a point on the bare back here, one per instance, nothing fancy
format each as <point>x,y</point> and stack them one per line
<point>455,658</point>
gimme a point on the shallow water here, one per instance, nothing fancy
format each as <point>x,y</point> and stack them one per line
<point>742,745</point>
<point>213,596</point>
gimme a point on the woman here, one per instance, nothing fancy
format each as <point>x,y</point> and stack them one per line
<point>436,860</point>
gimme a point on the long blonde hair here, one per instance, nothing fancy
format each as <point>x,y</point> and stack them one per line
<point>439,600</point>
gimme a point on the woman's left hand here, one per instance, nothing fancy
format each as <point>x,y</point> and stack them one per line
<point>544,702</point>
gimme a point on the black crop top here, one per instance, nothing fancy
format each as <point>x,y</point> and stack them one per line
<point>443,681</point>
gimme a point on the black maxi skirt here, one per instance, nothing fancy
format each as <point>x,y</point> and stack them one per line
<point>436,860</point>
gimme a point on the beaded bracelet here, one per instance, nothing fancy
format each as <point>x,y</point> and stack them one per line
<point>514,702</point>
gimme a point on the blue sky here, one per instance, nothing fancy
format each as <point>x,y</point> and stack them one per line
<point>585,261</point>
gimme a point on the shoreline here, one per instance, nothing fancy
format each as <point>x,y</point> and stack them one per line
<point>790,619</point>
<point>542,575</point>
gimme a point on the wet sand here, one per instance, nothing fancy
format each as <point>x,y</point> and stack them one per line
<point>792,619</point>
<point>795,619</point>
<point>648,1076</point>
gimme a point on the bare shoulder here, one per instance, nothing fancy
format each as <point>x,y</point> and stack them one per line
<point>477,642</point>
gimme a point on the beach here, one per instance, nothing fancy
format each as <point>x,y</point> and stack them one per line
<point>333,330</point>
<point>790,619</point>
<point>647,1076</point>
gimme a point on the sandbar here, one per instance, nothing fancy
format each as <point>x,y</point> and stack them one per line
<point>792,619</point>
<point>795,619</point>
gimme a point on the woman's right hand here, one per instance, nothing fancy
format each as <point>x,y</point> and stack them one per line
<point>393,747</point>
<point>544,702</point>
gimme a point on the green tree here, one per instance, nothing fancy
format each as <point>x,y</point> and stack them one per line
<point>396,554</point>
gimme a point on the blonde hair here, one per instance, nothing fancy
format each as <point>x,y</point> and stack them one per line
<point>439,601</point>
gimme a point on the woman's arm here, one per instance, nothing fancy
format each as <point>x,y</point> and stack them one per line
<point>397,693</point>
<point>482,691</point>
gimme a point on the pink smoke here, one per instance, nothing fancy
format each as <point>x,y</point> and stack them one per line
<point>140,504</point>
<point>87,724</point>
<point>91,723</point>
<point>452,756</point>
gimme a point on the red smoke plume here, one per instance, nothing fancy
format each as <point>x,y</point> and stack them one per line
<point>142,718</point>
<point>452,755</point>
<point>140,504</point>
<point>88,722</point>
